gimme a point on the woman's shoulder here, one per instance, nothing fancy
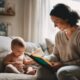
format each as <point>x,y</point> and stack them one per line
<point>78,31</point>
<point>60,33</point>
<point>59,36</point>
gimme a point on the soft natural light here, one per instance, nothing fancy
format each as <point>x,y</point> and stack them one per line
<point>38,19</point>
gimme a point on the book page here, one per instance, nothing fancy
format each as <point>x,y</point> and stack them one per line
<point>39,52</point>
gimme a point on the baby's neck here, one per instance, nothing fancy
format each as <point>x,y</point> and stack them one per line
<point>14,55</point>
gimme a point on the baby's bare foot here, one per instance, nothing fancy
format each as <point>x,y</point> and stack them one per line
<point>31,72</point>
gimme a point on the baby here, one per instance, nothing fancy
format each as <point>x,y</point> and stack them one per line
<point>15,62</point>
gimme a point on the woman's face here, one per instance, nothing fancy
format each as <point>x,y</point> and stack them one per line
<point>60,23</point>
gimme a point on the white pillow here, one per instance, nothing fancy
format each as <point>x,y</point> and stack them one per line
<point>30,47</point>
<point>50,45</point>
<point>5,43</point>
<point>39,52</point>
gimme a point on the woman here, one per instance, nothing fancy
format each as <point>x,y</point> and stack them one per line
<point>67,42</point>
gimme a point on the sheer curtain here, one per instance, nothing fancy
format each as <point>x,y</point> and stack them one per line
<point>31,20</point>
<point>37,22</point>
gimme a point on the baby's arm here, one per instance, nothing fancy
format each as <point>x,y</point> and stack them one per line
<point>7,60</point>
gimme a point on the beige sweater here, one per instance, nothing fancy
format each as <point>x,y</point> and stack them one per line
<point>68,51</point>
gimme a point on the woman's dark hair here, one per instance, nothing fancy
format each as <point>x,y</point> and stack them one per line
<point>64,12</point>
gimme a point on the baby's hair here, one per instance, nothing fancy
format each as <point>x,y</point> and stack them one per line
<point>18,41</point>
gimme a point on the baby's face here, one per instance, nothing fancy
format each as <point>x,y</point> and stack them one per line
<point>17,50</point>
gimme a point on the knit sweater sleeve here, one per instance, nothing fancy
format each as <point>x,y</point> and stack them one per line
<point>55,50</point>
<point>78,42</point>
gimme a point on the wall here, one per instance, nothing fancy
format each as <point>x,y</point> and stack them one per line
<point>16,23</point>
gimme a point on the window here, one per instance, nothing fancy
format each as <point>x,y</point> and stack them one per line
<point>49,29</point>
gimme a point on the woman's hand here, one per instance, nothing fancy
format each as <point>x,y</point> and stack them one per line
<point>56,65</point>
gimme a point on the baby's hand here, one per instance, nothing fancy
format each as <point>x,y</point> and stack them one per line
<point>18,64</point>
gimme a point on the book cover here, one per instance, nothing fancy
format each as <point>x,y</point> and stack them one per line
<point>42,61</point>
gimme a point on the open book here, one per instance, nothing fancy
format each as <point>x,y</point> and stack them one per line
<point>42,61</point>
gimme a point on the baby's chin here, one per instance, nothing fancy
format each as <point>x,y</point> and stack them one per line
<point>16,55</point>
